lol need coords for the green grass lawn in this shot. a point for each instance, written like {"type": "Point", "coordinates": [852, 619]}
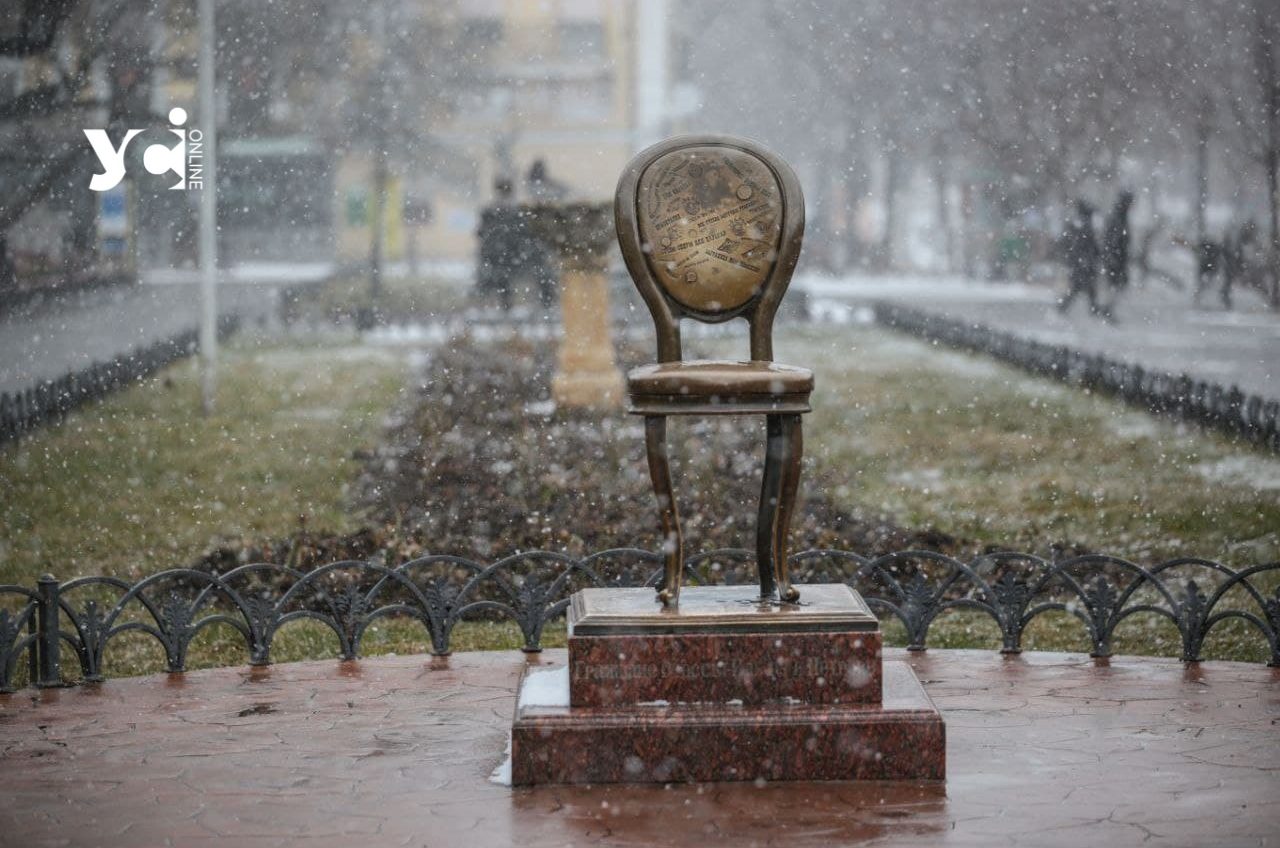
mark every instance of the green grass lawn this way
{"type": "Point", "coordinates": [984, 452]}
{"type": "Point", "coordinates": [142, 481]}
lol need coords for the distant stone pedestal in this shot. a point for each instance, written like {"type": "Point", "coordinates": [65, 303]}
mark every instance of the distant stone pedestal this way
{"type": "Point", "coordinates": [724, 687]}
{"type": "Point", "coordinates": [587, 373]}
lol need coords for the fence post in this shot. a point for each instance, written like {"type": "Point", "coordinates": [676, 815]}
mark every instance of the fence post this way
{"type": "Point", "coordinates": [48, 642]}
{"type": "Point", "coordinates": [33, 653]}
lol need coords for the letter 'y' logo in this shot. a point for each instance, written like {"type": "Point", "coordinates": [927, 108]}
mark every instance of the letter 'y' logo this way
{"type": "Point", "coordinates": [112, 159]}
{"type": "Point", "coordinates": [157, 159]}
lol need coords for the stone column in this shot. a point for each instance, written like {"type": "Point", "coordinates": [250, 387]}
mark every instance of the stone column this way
{"type": "Point", "coordinates": [587, 373]}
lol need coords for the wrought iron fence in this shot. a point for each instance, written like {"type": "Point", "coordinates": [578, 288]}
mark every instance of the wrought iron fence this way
{"type": "Point", "coordinates": [88, 614]}
{"type": "Point", "coordinates": [22, 412]}
{"type": "Point", "coordinates": [1229, 409]}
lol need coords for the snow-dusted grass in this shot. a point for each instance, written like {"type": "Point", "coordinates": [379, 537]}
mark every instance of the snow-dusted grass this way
{"type": "Point", "coordinates": [142, 481]}
{"type": "Point", "coordinates": [420, 297]}
{"type": "Point", "coordinates": [984, 452]}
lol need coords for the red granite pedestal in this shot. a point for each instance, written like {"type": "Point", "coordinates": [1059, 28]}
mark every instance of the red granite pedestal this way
{"type": "Point", "coordinates": [724, 688]}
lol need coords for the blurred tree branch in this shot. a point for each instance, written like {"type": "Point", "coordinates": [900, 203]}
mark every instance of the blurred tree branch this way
{"type": "Point", "coordinates": [84, 35]}
{"type": "Point", "coordinates": [38, 25]}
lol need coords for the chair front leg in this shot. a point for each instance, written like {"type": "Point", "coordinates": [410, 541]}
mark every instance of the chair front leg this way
{"type": "Point", "coordinates": [792, 454]}
{"type": "Point", "coordinates": [655, 442]}
{"type": "Point", "coordinates": [770, 497]}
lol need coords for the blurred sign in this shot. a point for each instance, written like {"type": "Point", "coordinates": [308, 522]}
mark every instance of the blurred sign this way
{"type": "Point", "coordinates": [357, 206]}
{"type": "Point", "coordinates": [113, 212]}
{"type": "Point", "coordinates": [114, 226]}
{"type": "Point", "coordinates": [113, 222]}
{"type": "Point", "coordinates": [359, 210]}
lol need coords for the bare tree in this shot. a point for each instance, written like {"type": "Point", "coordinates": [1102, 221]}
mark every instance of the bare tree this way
{"type": "Point", "coordinates": [40, 127]}
{"type": "Point", "coordinates": [1255, 102]}
{"type": "Point", "coordinates": [406, 67]}
{"type": "Point", "coordinates": [1031, 104]}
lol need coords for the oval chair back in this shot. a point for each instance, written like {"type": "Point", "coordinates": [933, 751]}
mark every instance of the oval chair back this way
{"type": "Point", "coordinates": [710, 228]}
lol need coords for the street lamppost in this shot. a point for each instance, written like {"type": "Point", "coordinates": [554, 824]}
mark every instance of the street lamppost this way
{"type": "Point", "coordinates": [208, 214]}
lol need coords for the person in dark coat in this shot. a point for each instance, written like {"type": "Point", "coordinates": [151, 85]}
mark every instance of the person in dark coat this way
{"type": "Point", "coordinates": [512, 253]}
{"type": "Point", "coordinates": [1234, 261]}
{"type": "Point", "coordinates": [500, 241]}
{"type": "Point", "coordinates": [1115, 247]}
{"type": "Point", "coordinates": [1080, 253]}
{"type": "Point", "coordinates": [540, 185]}
{"type": "Point", "coordinates": [1209, 254]}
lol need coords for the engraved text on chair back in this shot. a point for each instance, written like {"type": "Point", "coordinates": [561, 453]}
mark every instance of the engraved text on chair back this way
{"type": "Point", "coordinates": [710, 228]}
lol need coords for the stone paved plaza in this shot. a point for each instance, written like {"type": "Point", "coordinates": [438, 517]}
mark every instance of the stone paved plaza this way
{"type": "Point", "coordinates": [1042, 749]}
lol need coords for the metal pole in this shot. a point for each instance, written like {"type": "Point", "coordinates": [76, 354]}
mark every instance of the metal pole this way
{"type": "Point", "coordinates": [48, 646]}
{"type": "Point", "coordinates": [208, 214]}
{"type": "Point", "coordinates": [377, 249]}
{"type": "Point", "coordinates": [651, 72]}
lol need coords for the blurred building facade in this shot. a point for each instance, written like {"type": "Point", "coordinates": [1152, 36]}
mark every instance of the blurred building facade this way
{"type": "Point", "coordinates": [559, 86]}
{"type": "Point", "coordinates": [457, 93]}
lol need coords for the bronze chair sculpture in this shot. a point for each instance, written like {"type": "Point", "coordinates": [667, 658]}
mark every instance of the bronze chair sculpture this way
{"type": "Point", "coordinates": [710, 229]}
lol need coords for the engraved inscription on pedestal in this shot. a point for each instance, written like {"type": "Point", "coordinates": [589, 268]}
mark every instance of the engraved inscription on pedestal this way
{"type": "Point", "coordinates": [827, 608]}
{"type": "Point", "coordinates": [817, 670]}
{"type": "Point", "coordinates": [712, 221]}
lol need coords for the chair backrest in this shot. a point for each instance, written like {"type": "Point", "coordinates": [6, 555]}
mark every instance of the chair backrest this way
{"type": "Point", "coordinates": [710, 228]}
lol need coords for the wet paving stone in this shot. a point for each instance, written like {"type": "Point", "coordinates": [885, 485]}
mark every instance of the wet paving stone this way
{"type": "Point", "coordinates": [1042, 749]}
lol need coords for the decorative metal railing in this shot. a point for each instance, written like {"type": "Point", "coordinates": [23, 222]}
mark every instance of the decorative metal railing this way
{"type": "Point", "coordinates": [49, 400]}
{"type": "Point", "coordinates": [1252, 417]}
{"type": "Point", "coordinates": [88, 614]}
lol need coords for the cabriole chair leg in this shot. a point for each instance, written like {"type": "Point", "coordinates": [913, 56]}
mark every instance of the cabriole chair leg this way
{"type": "Point", "coordinates": [770, 498]}
{"type": "Point", "coordinates": [792, 454]}
{"type": "Point", "coordinates": [655, 440]}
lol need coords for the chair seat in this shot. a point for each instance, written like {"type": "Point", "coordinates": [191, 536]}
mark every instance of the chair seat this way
{"type": "Point", "coordinates": [719, 387]}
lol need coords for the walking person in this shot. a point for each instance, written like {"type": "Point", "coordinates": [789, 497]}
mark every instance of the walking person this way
{"type": "Point", "coordinates": [1235, 263]}
{"type": "Point", "coordinates": [1115, 250]}
{"type": "Point", "coordinates": [1080, 253]}
{"type": "Point", "coordinates": [1209, 255]}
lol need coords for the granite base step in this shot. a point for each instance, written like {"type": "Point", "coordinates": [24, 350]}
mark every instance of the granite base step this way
{"type": "Point", "coordinates": [901, 738]}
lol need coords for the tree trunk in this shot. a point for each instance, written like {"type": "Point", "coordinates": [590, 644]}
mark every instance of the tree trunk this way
{"type": "Point", "coordinates": [1202, 190]}
{"type": "Point", "coordinates": [944, 217]}
{"type": "Point", "coordinates": [858, 187]}
{"type": "Point", "coordinates": [837, 197]}
{"type": "Point", "coordinates": [893, 177]}
{"type": "Point", "coordinates": [8, 276]}
{"type": "Point", "coordinates": [1270, 79]}
{"type": "Point", "coordinates": [968, 244]}
{"type": "Point", "coordinates": [1273, 202]}
{"type": "Point", "coordinates": [1202, 171]}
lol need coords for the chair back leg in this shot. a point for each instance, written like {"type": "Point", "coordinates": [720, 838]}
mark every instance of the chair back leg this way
{"type": "Point", "coordinates": [655, 442]}
{"type": "Point", "coordinates": [770, 498]}
{"type": "Point", "coordinates": [792, 454]}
